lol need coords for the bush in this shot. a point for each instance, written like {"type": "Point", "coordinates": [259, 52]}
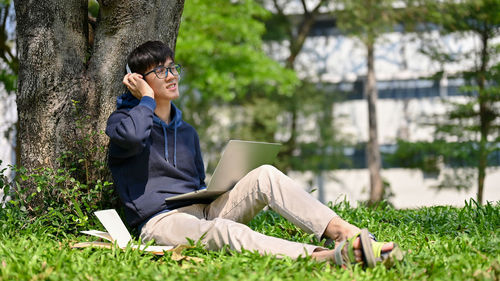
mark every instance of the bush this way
{"type": "Point", "coordinates": [59, 200]}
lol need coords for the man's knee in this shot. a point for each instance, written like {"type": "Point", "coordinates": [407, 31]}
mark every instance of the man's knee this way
{"type": "Point", "coordinates": [269, 177]}
{"type": "Point", "coordinates": [270, 169]}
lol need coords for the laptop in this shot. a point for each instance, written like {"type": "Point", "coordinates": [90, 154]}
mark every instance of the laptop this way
{"type": "Point", "coordinates": [237, 160]}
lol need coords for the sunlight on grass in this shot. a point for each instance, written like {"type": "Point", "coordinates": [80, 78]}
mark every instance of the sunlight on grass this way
{"type": "Point", "coordinates": [442, 243]}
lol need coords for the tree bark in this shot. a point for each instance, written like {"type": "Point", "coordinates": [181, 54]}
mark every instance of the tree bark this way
{"type": "Point", "coordinates": [58, 65]}
{"type": "Point", "coordinates": [372, 149]}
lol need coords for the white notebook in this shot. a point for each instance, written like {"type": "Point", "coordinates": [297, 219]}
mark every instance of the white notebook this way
{"type": "Point", "coordinates": [117, 233]}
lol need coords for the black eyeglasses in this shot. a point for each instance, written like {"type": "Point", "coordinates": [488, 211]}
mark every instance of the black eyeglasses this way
{"type": "Point", "coordinates": [162, 71]}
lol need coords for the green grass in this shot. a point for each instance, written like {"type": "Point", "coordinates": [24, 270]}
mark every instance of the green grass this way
{"type": "Point", "coordinates": [442, 243]}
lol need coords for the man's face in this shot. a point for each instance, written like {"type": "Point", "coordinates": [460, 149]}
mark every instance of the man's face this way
{"type": "Point", "coordinates": [166, 88]}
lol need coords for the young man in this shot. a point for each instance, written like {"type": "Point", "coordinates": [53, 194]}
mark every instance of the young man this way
{"type": "Point", "coordinates": [154, 155]}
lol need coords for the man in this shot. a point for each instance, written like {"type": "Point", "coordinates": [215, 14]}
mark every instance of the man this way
{"type": "Point", "coordinates": [154, 155]}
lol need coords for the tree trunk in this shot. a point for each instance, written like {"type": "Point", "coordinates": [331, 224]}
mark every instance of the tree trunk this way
{"type": "Point", "coordinates": [484, 119]}
{"type": "Point", "coordinates": [372, 149]}
{"type": "Point", "coordinates": [58, 65]}
{"type": "Point", "coordinates": [483, 153]}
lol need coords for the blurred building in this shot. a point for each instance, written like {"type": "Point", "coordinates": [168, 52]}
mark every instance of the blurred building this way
{"type": "Point", "coordinates": [8, 118]}
{"type": "Point", "coordinates": [410, 94]}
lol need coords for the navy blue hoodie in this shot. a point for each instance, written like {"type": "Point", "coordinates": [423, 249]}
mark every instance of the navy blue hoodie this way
{"type": "Point", "coordinates": [151, 160]}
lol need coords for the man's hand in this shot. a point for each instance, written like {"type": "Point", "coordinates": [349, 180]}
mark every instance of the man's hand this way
{"type": "Point", "coordinates": [138, 86]}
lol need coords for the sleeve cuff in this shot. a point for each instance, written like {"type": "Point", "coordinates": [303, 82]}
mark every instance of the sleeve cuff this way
{"type": "Point", "coordinates": [148, 102]}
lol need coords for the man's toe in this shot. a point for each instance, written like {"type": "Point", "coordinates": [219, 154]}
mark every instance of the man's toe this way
{"type": "Point", "coordinates": [388, 247]}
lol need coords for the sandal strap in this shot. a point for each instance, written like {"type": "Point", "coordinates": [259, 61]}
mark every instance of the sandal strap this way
{"type": "Point", "coordinates": [348, 257]}
{"type": "Point", "coordinates": [377, 248]}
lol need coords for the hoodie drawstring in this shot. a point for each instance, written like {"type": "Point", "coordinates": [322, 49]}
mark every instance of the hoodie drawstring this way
{"type": "Point", "coordinates": [128, 101]}
{"type": "Point", "coordinates": [166, 143]}
{"type": "Point", "coordinates": [175, 144]}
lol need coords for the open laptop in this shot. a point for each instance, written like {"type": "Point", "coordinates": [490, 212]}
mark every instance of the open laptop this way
{"type": "Point", "coordinates": [238, 158]}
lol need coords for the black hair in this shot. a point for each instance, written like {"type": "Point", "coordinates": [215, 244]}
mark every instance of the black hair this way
{"type": "Point", "coordinates": [149, 54]}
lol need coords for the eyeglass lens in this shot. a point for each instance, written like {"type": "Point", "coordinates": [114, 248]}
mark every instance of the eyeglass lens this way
{"type": "Point", "coordinates": [162, 71]}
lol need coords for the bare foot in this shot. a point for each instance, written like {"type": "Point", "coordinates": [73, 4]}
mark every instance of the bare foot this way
{"type": "Point", "coordinates": [340, 230]}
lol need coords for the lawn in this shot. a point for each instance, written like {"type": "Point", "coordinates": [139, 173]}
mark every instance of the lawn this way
{"type": "Point", "coordinates": [441, 243]}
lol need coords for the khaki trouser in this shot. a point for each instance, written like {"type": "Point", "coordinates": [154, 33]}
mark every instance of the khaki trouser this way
{"type": "Point", "coordinates": [222, 222]}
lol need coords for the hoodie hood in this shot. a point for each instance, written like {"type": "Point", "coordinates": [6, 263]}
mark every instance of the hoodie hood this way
{"type": "Point", "coordinates": [127, 101]}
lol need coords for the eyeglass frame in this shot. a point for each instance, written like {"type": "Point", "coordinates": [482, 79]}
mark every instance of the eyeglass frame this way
{"type": "Point", "coordinates": [177, 67]}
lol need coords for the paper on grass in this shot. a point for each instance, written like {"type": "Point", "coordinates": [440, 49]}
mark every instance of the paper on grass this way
{"type": "Point", "coordinates": [100, 234]}
{"type": "Point", "coordinates": [115, 227]}
{"type": "Point", "coordinates": [117, 232]}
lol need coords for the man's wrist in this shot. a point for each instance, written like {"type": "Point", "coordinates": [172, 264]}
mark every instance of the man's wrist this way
{"type": "Point", "coordinates": [150, 94]}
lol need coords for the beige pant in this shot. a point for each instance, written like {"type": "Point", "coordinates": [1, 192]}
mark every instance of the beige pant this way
{"type": "Point", "coordinates": [222, 222]}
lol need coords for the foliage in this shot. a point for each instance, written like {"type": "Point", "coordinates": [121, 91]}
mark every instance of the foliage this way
{"type": "Point", "coordinates": [366, 20]}
{"type": "Point", "coordinates": [290, 32]}
{"type": "Point", "coordinates": [442, 243]}
{"type": "Point", "coordinates": [323, 149]}
{"type": "Point", "coordinates": [435, 158]}
{"type": "Point", "coordinates": [463, 18]}
{"type": "Point", "coordinates": [9, 80]}
{"type": "Point", "coordinates": [318, 147]}
{"type": "Point", "coordinates": [428, 156]}
{"type": "Point", "coordinates": [220, 48]}
{"type": "Point", "coordinates": [93, 8]}
{"type": "Point", "coordinates": [477, 119]}
{"type": "Point", "coordinates": [463, 120]}
{"type": "Point", "coordinates": [64, 204]}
